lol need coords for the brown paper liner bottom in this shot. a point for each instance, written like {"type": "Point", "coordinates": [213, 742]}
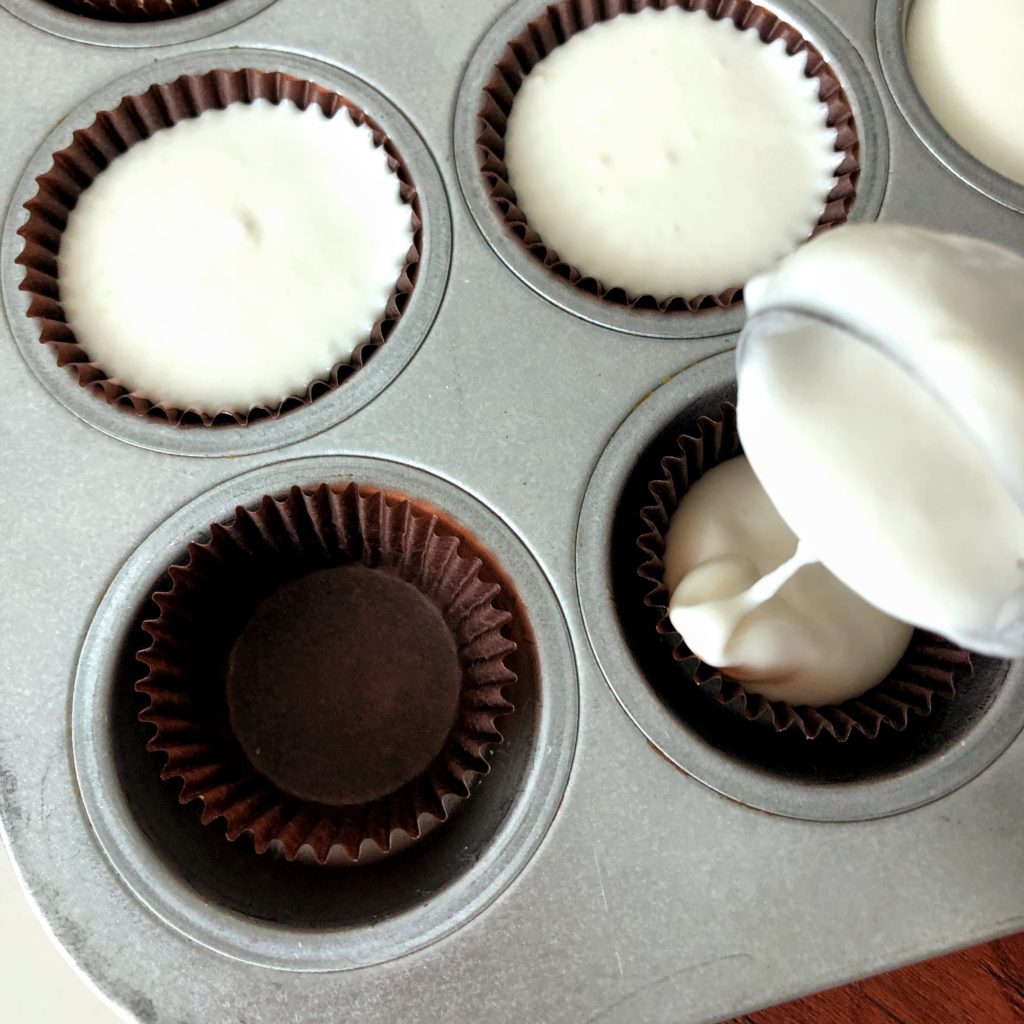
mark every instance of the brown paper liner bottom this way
{"type": "Point", "coordinates": [929, 670]}
{"type": "Point", "coordinates": [112, 133]}
{"type": "Point", "coordinates": [343, 797]}
{"type": "Point", "coordinates": [134, 10]}
{"type": "Point", "coordinates": [560, 22]}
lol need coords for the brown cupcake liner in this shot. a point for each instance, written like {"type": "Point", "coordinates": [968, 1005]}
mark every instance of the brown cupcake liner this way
{"type": "Point", "coordinates": [134, 10]}
{"type": "Point", "coordinates": [136, 118]}
{"type": "Point", "coordinates": [560, 22]}
{"type": "Point", "coordinates": [930, 669]}
{"type": "Point", "coordinates": [211, 597]}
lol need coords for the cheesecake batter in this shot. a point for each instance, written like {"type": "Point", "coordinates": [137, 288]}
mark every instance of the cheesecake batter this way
{"type": "Point", "coordinates": [229, 261]}
{"type": "Point", "coordinates": [669, 153]}
{"type": "Point", "coordinates": [749, 601]}
{"type": "Point", "coordinates": [966, 62]}
{"type": "Point", "coordinates": [882, 411]}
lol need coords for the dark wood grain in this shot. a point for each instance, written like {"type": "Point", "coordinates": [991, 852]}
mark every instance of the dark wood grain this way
{"type": "Point", "coordinates": [983, 985]}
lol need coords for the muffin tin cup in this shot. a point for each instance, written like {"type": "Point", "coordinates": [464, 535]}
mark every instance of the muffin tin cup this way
{"type": "Point", "coordinates": [300, 917]}
{"type": "Point", "coordinates": [929, 671]}
{"type": "Point", "coordinates": [559, 23]}
{"type": "Point", "coordinates": [215, 78]}
{"type": "Point", "coordinates": [215, 707]}
{"type": "Point", "coordinates": [135, 10]}
{"type": "Point", "coordinates": [891, 41]}
{"type": "Point", "coordinates": [538, 25]}
{"type": "Point", "coordinates": [859, 779]}
{"type": "Point", "coordinates": [113, 133]}
{"type": "Point", "coordinates": [82, 28]}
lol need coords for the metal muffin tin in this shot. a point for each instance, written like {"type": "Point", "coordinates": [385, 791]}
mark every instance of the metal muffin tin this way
{"type": "Point", "coordinates": [819, 781]}
{"type": "Point", "coordinates": [200, 890]}
{"type": "Point", "coordinates": [330, 408]}
{"type": "Point", "coordinates": [890, 30]}
{"type": "Point", "coordinates": [803, 15]}
{"type": "Point", "coordinates": [51, 18]}
{"type": "Point", "coordinates": [650, 897]}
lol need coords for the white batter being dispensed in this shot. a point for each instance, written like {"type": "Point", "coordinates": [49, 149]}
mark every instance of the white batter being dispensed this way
{"type": "Point", "coordinates": [743, 603]}
{"type": "Point", "coordinates": [229, 261]}
{"type": "Point", "coordinates": [966, 62]}
{"type": "Point", "coordinates": [891, 446]}
{"type": "Point", "coordinates": [669, 153]}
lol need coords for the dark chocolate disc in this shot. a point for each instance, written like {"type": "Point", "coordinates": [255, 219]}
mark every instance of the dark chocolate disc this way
{"type": "Point", "coordinates": [344, 685]}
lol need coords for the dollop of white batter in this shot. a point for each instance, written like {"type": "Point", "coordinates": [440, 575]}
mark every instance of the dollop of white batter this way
{"type": "Point", "coordinates": [229, 261]}
{"type": "Point", "coordinates": [747, 601]}
{"type": "Point", "coordinates": [898, 472]}
{"type": "Point", "coordinates": [669, 153]}
{"type": "Point", "coordinates": [966, 61]}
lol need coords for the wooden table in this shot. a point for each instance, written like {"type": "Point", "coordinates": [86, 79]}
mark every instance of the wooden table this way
{"type": "Point", "coordinates": [983, 985]}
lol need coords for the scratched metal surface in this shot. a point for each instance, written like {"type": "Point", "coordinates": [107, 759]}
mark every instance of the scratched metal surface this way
{"type": "Point", "coordinates": [651, 899]}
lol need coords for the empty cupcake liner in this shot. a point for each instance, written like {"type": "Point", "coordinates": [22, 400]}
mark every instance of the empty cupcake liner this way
{"type": "Point", "coordinates": [136, 118]}
{"type": "Point", "coordinates": [213, 593]}
{"type": "Point", "coordinates": [930, 669]}
{"type": "Point", "coordinates": [561, 21]}
{"type": "Point", "coordinates": [134, 10]}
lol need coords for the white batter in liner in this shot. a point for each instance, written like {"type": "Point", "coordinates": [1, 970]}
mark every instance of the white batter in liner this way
{"type": "Point", "coordinates": [669, 153]}
{"type": "Point", "coordinates": [230, 260]}
{"type": "Point", "coordinates": [742, 602]}
{"type": "Point", "coordinates": [966, 61]}
{"type": "Point", "coordinates": [884, 426]}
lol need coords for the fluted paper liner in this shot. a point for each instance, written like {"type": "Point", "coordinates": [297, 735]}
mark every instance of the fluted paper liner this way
{"type": "Point", "coordinates": [212, 595]}
{"type": "Point", "coordinates": [135, 10]}
{"type": "Point", "coordinates": [561, 21]}
{"type": "Point", "coordinates": [136, 118]}
{"type": "Point", "coordinates": [929, 669]}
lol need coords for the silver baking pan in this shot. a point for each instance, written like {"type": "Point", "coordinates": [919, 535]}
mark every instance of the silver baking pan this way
{"type": "Point", "coordinates": [619, 863]}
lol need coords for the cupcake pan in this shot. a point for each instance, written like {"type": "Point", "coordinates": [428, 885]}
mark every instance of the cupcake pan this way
{"type": "Point", "coordinates": [859, 778]}
{"type": "Point", "coordinates": [891, 24]}
{"type": "Point", "coordinates": [404, 331]}
{"type": "Point", "coordinates": [626, 890]}
{"type": "Point", "coordinates": [134, 10]}
{"type": "Point", "coordinates": [930, 671]}
{"type": "Point", "coordinates": [322, 591]}
{"type": "Point", "coordinates": [715, 315]}
{"type": "Point", "coordinates": [312, 918]}
{"type": "Point", "coordinates": [59, 19]}
{"type": "Point", "coordinates": [543, 35]}
{"type": "Point", "coordinates": [135, 119]}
